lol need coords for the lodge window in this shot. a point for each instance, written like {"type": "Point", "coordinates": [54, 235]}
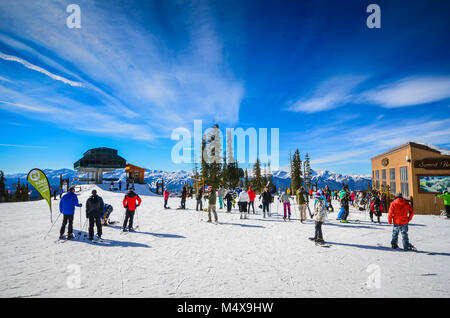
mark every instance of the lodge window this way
{"type": "Point", "coordinates": [392, 180]}
{"type": "Point", "coordinates": [383, 177]}
{"type": "Point", "coordinates": [377, 179]}
{"type": "Point", "coordinates": [404, 181]}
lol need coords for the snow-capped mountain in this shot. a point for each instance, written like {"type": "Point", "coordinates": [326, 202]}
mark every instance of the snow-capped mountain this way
{"type": "Point", "coordinates": [174, 181]}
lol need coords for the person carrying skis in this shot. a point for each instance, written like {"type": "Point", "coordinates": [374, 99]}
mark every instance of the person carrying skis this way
{"type": "Point", "coordinates": [319, 216]}
{"type": "Point", "coordinates": [251, 199]}
{"type": "Point", "coordinates": [243, 200]}
{"type": "Point", "coordinates": [229, 197]}
{"type": "Point", "coordinates": [446, 197]}
{"type": "Point", "coordinates": [212, 198]}
{"type": "Point", "coordinates": [166, 198]}
{"type": "Point", "coordinates": [183, 198]}
{"type": "Point", "coordinates": [129, 202]}
{"type": "Point", "coordinates": [199, 200]}
{"type": "Point", "coordinates": [267, 198]}
{"type": "Point", "coordinates": [376, 208]}
{"type": "Point", "coordinates": [94, 211]}
{"type": "Point", "coordinates": [302, 202]}
{"type": "Point", "coordinates": [220, 195]}
{"type": "Point", "coordinates": [67, 207]}
{"type": "Point", "coordinates": [285, 199]}
{"type": "Point", "coordinates": [400, 214]}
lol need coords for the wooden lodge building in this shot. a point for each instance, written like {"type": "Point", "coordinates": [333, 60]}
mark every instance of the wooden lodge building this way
{"type": "Point", "coordinates": [416, 170]}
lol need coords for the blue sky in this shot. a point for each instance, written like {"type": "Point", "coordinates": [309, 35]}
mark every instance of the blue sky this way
{"type": "Point", "coordinates": [138, 69]}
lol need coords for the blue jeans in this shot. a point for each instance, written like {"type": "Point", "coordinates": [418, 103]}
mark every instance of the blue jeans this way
{"type": "Point", "coordinates": [404, 230]}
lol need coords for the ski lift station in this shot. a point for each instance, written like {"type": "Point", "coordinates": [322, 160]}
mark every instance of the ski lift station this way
{"type": "Point", "coordinates": [96, 161]}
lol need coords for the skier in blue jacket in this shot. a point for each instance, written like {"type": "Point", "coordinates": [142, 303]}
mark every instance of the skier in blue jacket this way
{"type": "Point", "coordinates": [67, 207]}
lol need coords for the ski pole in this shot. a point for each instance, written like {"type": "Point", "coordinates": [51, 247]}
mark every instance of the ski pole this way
{"type": "Point", "coordinates": [52, 225]}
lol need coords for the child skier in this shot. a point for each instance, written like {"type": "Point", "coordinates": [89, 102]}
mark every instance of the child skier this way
{"type": "Point", "coordinates": [446, 197]}
{"type": "Point", "coordinates": [400, 213]}
{"type": "Point", "coordinates": [376, 208]}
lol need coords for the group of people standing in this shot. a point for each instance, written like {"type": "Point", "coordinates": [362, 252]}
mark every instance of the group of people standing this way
{"type": "Point", "coordinates": [97, 212]}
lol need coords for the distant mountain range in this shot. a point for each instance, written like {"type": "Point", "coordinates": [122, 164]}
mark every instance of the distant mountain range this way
{"type": "Point", "coordinates": [174, 181]}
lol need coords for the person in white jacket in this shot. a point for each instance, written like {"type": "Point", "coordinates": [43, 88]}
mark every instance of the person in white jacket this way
{"type": "Point", "coordinates": [243, 202]}
{"type": "Point", "coordinates": [320, 215]}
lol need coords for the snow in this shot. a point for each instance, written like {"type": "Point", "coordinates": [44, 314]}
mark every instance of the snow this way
{"type": "Point", "coordinates": [174, 254]}
{"type": "Point", "coordinates": [444, 152]}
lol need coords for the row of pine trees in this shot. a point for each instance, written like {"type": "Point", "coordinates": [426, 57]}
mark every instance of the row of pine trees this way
{"type": "Point", "coordinates": [19, 194]}
{"type": "Point", "coordinates": [222, 172]}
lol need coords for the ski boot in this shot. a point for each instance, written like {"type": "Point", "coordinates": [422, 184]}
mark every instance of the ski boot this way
{"type": "Point", "coordinates": [311, 238]}
{"type": "Point", "coordinates": [411, 248]}
{"type": "Point", "coordinates": [70, 236]}
{"type": "Point", "coordinates": [61, 236]}
{"type": "Point", "coordinates": [320, 242]}
{"type": "Point", "coordinates": [344, 221]}
{"type": "Point", "coordinates": [124, 230]}
{"type": "Point", "coordinates": [394, 246]}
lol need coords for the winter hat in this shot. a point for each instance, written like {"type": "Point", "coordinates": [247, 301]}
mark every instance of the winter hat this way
{"type": "Point", "coordinates": [399, 195]}
{"type": "Point", "coordinates": [94, 191]}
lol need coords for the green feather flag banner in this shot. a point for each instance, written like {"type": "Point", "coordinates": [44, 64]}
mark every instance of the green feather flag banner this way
{"type": "Point", "coordinates": [39, 181]}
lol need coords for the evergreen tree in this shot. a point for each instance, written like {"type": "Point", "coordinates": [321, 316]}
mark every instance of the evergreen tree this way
{"type": "Point", "coordinates": [258, 180]}
{"type": "Point", "coordinates": [246, 180]}
{"type": "Point", "coordinates": [296, 172]}
{"type": "Point", "coordinates": [3, 192]}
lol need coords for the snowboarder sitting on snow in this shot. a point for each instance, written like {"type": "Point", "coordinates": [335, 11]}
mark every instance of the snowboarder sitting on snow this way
{"type": "Point", "coordinates": [129, 202]}
{"type": "Point", "coordinates": [67, 207]}
{"type": "Point", "coordinates": [320, 215]}
{"type": "Point", "coordinates": [446, 197]}
{"type": "Point", "coordinates": [107, 209]}
{"type": "Point", "coordinates": [212, 198]}
{"type": "Point", "coordinates": [400, 213]}
{"type": "Point", "coordinates": [166, 198]}
{"type": "Point", "coordinates": [376, 208]}
{"type": "Point", "coordinates": [94, 211]}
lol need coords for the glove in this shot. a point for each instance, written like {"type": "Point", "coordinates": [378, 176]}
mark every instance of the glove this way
{"type": "Point", "coordinates": [81, 204]}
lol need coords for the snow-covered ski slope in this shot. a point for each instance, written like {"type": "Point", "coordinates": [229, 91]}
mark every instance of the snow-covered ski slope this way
{"type": "Point", "coordinates": [175, 254]}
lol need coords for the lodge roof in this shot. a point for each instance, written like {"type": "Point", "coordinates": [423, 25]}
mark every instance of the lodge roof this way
{"type": "Point", "coordinates": [409, 144]}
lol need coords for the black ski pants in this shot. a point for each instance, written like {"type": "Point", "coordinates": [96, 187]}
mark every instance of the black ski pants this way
{"type": "Point", "coordinates": [67, 219]}
{"type": "Point", "coordinates": [97, 220]}
{"type": "Point", "coordinates": [346, 212]}
{"type": "Point", "coordinates": [129, 216]}
{"type": "Point", "coordinates": [318, 227]}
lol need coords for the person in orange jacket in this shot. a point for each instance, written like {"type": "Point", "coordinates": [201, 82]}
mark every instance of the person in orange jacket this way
{"type": "Point", "coordinates": [400, 213]}
{"type": "Point", "coordinates": [129, 202]}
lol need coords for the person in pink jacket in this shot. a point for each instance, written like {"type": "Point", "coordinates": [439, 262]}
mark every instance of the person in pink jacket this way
{"type": "Point", "coordinates": [166, 198]}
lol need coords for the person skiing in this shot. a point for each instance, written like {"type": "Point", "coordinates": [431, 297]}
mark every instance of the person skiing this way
{"type": "Point", "coordinates": [446, 197]}
{"type": "Point", "coordinates": [212, 198]}
{"type": "Point", "coordinates": [94, 211]}
{"type": "Point", "coordinates": [251, 198]}
{"type": "Point", "coordinates": [243, 200]}
{"type": "Point", "coordinates": [183, 198]}
{"type": "Point", "coordinates": [129, 202]}
{"type": "Point", "coordinates": [302, 202]}
{"type": "Point", "coordinates": [319, 216]}
{"type": "Point", "coordinates": [229, 197]}
{"type": "Point", "coordinates": [376, 208]}
{"type": "Point", "coordinates": [267, 198]}
{"type": "Point", "coordinates": [166, 198]}
{"type": "Point", "coordinates": [285, 199]}
{"type": "Point", "coordinates": [400, 214]}
{"type": "Point", "coordinates": [220, 195]}
{"type": "Point", "coordinates": [67, 206]}
{"type": "Point", "coordinates": [107, 210]}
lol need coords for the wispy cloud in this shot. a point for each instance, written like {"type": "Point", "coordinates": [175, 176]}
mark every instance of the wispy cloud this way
{"type": "Point", "coordinates": [332, 93]}
{"type": "Point", "coordinates": [341, 90]}
{"type": "Point", "coordinates": [409, 92]}
{"type": "Point", "coordinates": [22, 146]}
{"type": "Point", "coordinates": [39, 69]}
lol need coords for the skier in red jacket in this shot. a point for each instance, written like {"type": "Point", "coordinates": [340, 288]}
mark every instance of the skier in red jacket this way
{"type": "Point", "coordinates": [251, 202]}
{"type": "Point", "coordinates": [129, 202]}
{"type": "Point", "coordinates": [400, 213]}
